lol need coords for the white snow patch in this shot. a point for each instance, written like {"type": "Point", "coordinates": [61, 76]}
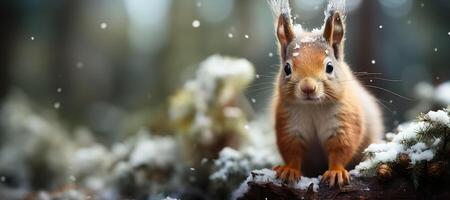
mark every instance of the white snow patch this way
{"type": "Point", "coordinates": [269, 176]}
{"type": "Point", "coordinates": [442, 93]}
{"type": "Point", "coordinates": [148, 152]}
{"type": "Point", "coordinates": [439, 116]}
{"type": "Point", "coordinates": [410, 131]}
{"type": "Point", "coordinates": [421, 155]}
{"type": "Point", "coordinates": [170, 198]}
{"type": "Point", "coordinates": [407, 132]}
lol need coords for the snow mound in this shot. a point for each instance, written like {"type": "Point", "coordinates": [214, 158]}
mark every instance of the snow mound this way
{"type": "Point", "coordinates": [155, 152]}
{"type": "Point", "coordinates": [409, 141]}
{"type": "Point", "coordinates": [269, 176]}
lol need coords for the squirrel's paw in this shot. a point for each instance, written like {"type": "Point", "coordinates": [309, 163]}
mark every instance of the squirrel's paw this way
{"type": "Point", "coordinates": [340, 175]}
{"type": "Point", "coordinates": [287, 174]}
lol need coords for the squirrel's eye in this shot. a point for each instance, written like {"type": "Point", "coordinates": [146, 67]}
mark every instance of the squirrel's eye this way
{"type": "Point", "coordinates": [287, 69]}
{"type": "Point", "coordinates": [329, 68]}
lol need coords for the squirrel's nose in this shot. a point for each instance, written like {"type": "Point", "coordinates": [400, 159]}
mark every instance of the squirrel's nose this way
{"type": "Point", "coordinates": [308, 85]}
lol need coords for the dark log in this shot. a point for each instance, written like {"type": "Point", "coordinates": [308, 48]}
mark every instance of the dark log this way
{"type": "Point", "coordinates": [359, 188]}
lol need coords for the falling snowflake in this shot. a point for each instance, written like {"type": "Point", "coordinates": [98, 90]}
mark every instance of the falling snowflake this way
{"type": "Point", "coordinates": [80, 65]}
{"type": "Point", "coordinates": [59, 90]}
{"type": "Point", "coordinates": [103, 25]}
{"type": "Point", "coordinates": [195, 23]}
{"type": "Point", "coordinates": [57, 105]}
{"type": "Point", "coordinates": [192, 169]}
{"type": "Point", "coordinates": [371, 80]}
{"type": "Point", "coordinates": [373, 62]}
{"type": "Point", "coordinates": [246, 36]}
{"type": "Point", "coordinates": [246, 126]}
{"type": "Point", "coordinates": [257, 76]}
{"type": "Point", "coordinates": [32, 38]}
{"type": "Point", "coordinates": [253, 100]}
{"type": "Point", "coordinates": [391, 101]}
{"type": "Point", "coordinates": [230, 35]}
{"type": "Point", "coordinates": [435, 49]}
{"type": "Point", "coordinates": [380, 26]}
{"type": "Point", "coordinates": [270, 54]}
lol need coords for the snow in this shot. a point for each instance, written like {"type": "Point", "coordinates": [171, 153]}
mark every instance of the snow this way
{"type": "Point", "coordinates": [148, 152]}
{"type": "Point", "coordinates": [230, 35]}
{"type": "Point", "coordinates": [385, 152]}
{"type": "Point", "coordinates": [103, 25]}
{"type": "Point", "coordinates": [56, 105]}
{"type": "Point", "coordinates": [442, 93]}
{"type": "Point", "coordinates": [170, 198]}
{"type": "Point", "coordinates": [256, 152]}
{"type": "Point", "coordinates": [32, 38]}
{"type": "Point", "coordinates": [400, 143]}
{"type": "Point", "coordinates": [230, 161]}
{"type": "Point", "coordinates": [269, 176]}
{"type": "Point", "coordinates": [89, 159]}
{"type": "Point", "coordinates": [421, 155]}
{"type": "Point", "coordinates": [80, 64]}
{"type": "Point", "coordinates": [410, 131]}
{"type": "Point", "coordinates": [59, 90]}
{"type": "Point", "coordinates": [439, 116]}
{"type": "Point", "coordinates": [246, 36]}
{"type": "Point", "coordinates": [218, 68]}
{"type": "Point", "coordinates": [195, 23]}
{"type": "Point", "coordinates": [373, 62]}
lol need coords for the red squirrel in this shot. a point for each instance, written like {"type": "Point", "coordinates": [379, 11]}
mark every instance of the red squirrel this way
{"type": "Point", "coordinates": [324, 117]}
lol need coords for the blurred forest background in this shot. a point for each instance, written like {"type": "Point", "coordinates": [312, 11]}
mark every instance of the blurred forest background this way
{"type": "Point", "coordinates": [111, 65]}
{"type": "Point", "coordinates": [146, 49]}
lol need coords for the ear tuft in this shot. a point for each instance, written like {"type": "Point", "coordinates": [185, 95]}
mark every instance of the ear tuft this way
{"type": "Point", "coordinates": [279, 7]}
{"type": "Point", "coordinates": [333, 33]}
{"type": "Point", "coordinates": [284, 26]}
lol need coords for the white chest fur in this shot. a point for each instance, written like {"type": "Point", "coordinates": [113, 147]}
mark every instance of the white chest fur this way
{"type": "Point", "coordinates": [312, 121]}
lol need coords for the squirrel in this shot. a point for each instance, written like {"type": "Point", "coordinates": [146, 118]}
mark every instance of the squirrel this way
{"type": "Point", "coordinates": [324, 117]}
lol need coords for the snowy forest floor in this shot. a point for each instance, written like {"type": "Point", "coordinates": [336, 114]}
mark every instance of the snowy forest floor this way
{"type": "Point", "coordinates": [359, 188]}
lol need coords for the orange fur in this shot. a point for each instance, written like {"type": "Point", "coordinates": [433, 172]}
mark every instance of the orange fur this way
{"type": "Point", "coordinates": [291, 149]}
{"type": "Point", "coordinates": [311, 101]}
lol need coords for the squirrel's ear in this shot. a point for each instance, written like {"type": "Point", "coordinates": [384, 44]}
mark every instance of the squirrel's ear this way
{"type": "Point", "coordinates": [285, 32]}
{"type": "Point", "coordinates": [334, 33]}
